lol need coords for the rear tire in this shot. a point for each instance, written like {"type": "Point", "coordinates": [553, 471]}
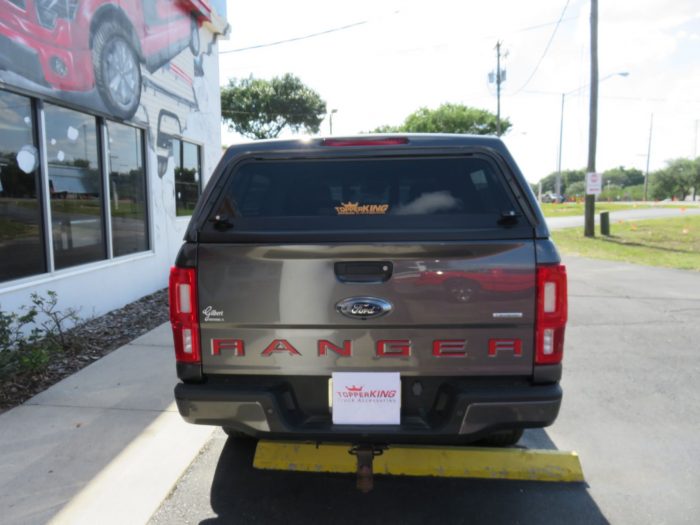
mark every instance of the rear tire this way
{"type": "Point", "coordinates": [237, 434]}
{"type": "Point", "coordinates": [502, 438]}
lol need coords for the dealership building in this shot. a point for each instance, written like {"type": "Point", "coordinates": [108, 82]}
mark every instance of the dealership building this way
{"type": "Point", "coordinates": [109, 128]}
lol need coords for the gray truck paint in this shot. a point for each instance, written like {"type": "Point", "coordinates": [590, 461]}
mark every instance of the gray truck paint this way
{"type": "Point", "coordinates": [290, 293]}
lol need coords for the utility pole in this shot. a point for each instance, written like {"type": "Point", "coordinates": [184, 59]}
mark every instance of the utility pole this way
{"type": "Point", "coordinates": [557, 186]}
{"type": "Point", "coordinates": [498, 88]}
{"type": "Point", "coordinates": [589, 229]}
{"type": "Point", "coordinates": [646, 174]}
{"type": "Point", "coordinates": [498, 78]}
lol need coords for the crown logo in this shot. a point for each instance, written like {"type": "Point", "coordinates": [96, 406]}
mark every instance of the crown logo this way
{"type": "Point", "coordinates": [348, 208]}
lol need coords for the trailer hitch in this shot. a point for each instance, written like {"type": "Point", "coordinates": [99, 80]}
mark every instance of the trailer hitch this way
{"type": "Point", "coordinates": [365, 458]}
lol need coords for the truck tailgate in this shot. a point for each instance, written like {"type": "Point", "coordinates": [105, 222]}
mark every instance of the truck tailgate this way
{"type": "Point", "coordinates": [465, 309]}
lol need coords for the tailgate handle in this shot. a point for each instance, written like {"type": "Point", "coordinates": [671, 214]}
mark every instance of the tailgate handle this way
{"type": "Point", "coordinates": [363, 271]}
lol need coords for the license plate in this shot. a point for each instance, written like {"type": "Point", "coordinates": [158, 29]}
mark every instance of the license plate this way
{"type": "Point", "coordinates": [365, 398]}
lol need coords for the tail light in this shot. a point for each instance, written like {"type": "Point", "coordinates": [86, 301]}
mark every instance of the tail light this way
{"type": "Point", "coordinates": [183, 314]}
{"type": "Point", "coordinates": [551, 314]}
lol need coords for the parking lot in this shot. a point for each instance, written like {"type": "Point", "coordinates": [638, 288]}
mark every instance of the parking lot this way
{"type": "Point", "coordinates": [631, 408]}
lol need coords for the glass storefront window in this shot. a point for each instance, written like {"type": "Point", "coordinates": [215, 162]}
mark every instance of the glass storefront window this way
{"type": "Point", "coordinates": [21, 239]}
{"type": "Point", "coordinates": [188, 168]}
{"type": "Point", "coordinates": [127, 189]}
{"type": "Point", "coordinates": [75, 186]}
{"type": "Point", "coordinates": [71, 148]}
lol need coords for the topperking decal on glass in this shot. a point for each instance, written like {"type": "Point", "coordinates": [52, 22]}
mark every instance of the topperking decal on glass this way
{"type": "Point", "coordinates": [355, 208]}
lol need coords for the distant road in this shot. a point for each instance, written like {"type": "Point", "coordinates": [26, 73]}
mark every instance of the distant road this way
{"type": "Point", "coordinates": [557, 223]}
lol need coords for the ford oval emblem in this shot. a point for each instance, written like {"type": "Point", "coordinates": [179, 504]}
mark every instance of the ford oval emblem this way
{"type": "Point", "coordinates": [363, 307]}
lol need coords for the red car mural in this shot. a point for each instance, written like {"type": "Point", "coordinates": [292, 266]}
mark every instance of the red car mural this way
{"type": "Point", "coordinates": [79, 45]}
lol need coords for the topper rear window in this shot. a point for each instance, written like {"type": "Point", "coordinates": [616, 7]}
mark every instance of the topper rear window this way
{"type": "Point", "coordinates": [444, 193]}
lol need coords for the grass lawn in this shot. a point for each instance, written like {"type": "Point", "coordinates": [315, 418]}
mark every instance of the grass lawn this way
{"type": "Point", "coordinates": [673, 243]}
{"type": "Point", "coordinates": [11, 229]}
{"type": "Point", "coordinates": [568, 209]}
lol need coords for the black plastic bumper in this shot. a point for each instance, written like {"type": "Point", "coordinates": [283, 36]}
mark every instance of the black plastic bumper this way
{"type": "Point", "coordinates": [452, 411]}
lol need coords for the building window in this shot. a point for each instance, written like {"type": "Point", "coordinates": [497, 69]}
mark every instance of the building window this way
{"type": "Point", "coordinates": [61, 172]}
{"type": "Point", "coordinates": [76, 187]}
{"type": "Point", "coordinates": [127, 189]}
{"type": "Point", "coordinates": [21, 233]}
{"type": "Point", "coordinates": [188, 169]}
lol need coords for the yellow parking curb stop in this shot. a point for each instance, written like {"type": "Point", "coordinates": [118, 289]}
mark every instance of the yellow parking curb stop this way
{"type": "Point", "coordinates": [413, 460]}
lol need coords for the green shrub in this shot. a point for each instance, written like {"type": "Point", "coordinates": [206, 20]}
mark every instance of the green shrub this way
{"type": "Point", "coordinates": [29, 338]}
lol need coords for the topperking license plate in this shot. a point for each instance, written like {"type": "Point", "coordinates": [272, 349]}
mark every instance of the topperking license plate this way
{"type": "Point", "coordinates": [365, 398]}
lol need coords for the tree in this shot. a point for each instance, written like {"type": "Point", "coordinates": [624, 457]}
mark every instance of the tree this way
{"type": "Point", "coordinates": [677, 179]}
{"type": "Point", "coordinates": [573, 182]}
{"type": "Point", "coordinates": [568, 177]}
{"type": "Point", "coordinates": [623, 177]}
{"type": "Point", "coordinates": [261, 109]}
{"type": "Point", "coordinates": [664, 185]}
{"type": "Point", "coordinates": [449, 118]}
{"type": "Point", "coordinates": [575, 189]}
{"type": "Point", "coordinates": [695, 178]}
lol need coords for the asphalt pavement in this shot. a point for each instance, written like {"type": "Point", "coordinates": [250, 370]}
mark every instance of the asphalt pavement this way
{"type": "Point", "coordinates": [106, 445]}
{"type": "Point", "coordinates": [631, 409]}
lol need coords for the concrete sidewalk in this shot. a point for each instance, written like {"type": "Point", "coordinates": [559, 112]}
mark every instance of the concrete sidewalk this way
{"type": "Point", "coordinates": [104, 445]}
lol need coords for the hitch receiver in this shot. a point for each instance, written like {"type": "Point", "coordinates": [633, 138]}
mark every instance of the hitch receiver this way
{"type": "Point", "coordinates": [365, 460]}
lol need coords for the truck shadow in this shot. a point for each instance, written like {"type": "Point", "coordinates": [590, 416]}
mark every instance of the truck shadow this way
{"type": "Point", "coordinates": [242, 494]}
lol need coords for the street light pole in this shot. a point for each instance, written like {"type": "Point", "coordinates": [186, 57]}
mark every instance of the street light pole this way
{"type": "Point", "coordinates": [646, 174]}
{"type": "Point", "coordinates": [330, 119]}
{"type": "Point", "coordinates": [561, 123]}
{"type": "Point", "coordinates": [557, 189]}
{"type": "Point", "coordinates": [498, 88]}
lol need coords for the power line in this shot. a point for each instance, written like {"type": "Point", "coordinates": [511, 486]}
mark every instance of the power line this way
{"type": "Point", "coordinates": [611, 97]}
{"type": "Point", "coordinates": [485, 37]}
{"type": "Point", "coordinates": [546, 48]}
{"type": "Point", "coordinates": [298, 38]}
{"type": "Point", "coordinates": [545, 24]}
{"type": "Point", "coordinates": [363, 22]}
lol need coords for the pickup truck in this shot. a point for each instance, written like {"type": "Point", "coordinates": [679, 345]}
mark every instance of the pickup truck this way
{"type": "Point", "coordinates": [370, 289]}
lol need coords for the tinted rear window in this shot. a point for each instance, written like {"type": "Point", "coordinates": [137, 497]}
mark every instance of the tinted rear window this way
{"type": "Point", "coordinates": [415, 193]}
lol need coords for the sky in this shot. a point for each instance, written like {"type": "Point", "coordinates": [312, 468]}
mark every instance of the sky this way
{"type": "Point", "coordinates": [399, 56]}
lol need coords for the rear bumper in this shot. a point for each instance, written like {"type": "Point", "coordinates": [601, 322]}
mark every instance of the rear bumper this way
{"type": "Point", "coordinates": [452, 416]}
